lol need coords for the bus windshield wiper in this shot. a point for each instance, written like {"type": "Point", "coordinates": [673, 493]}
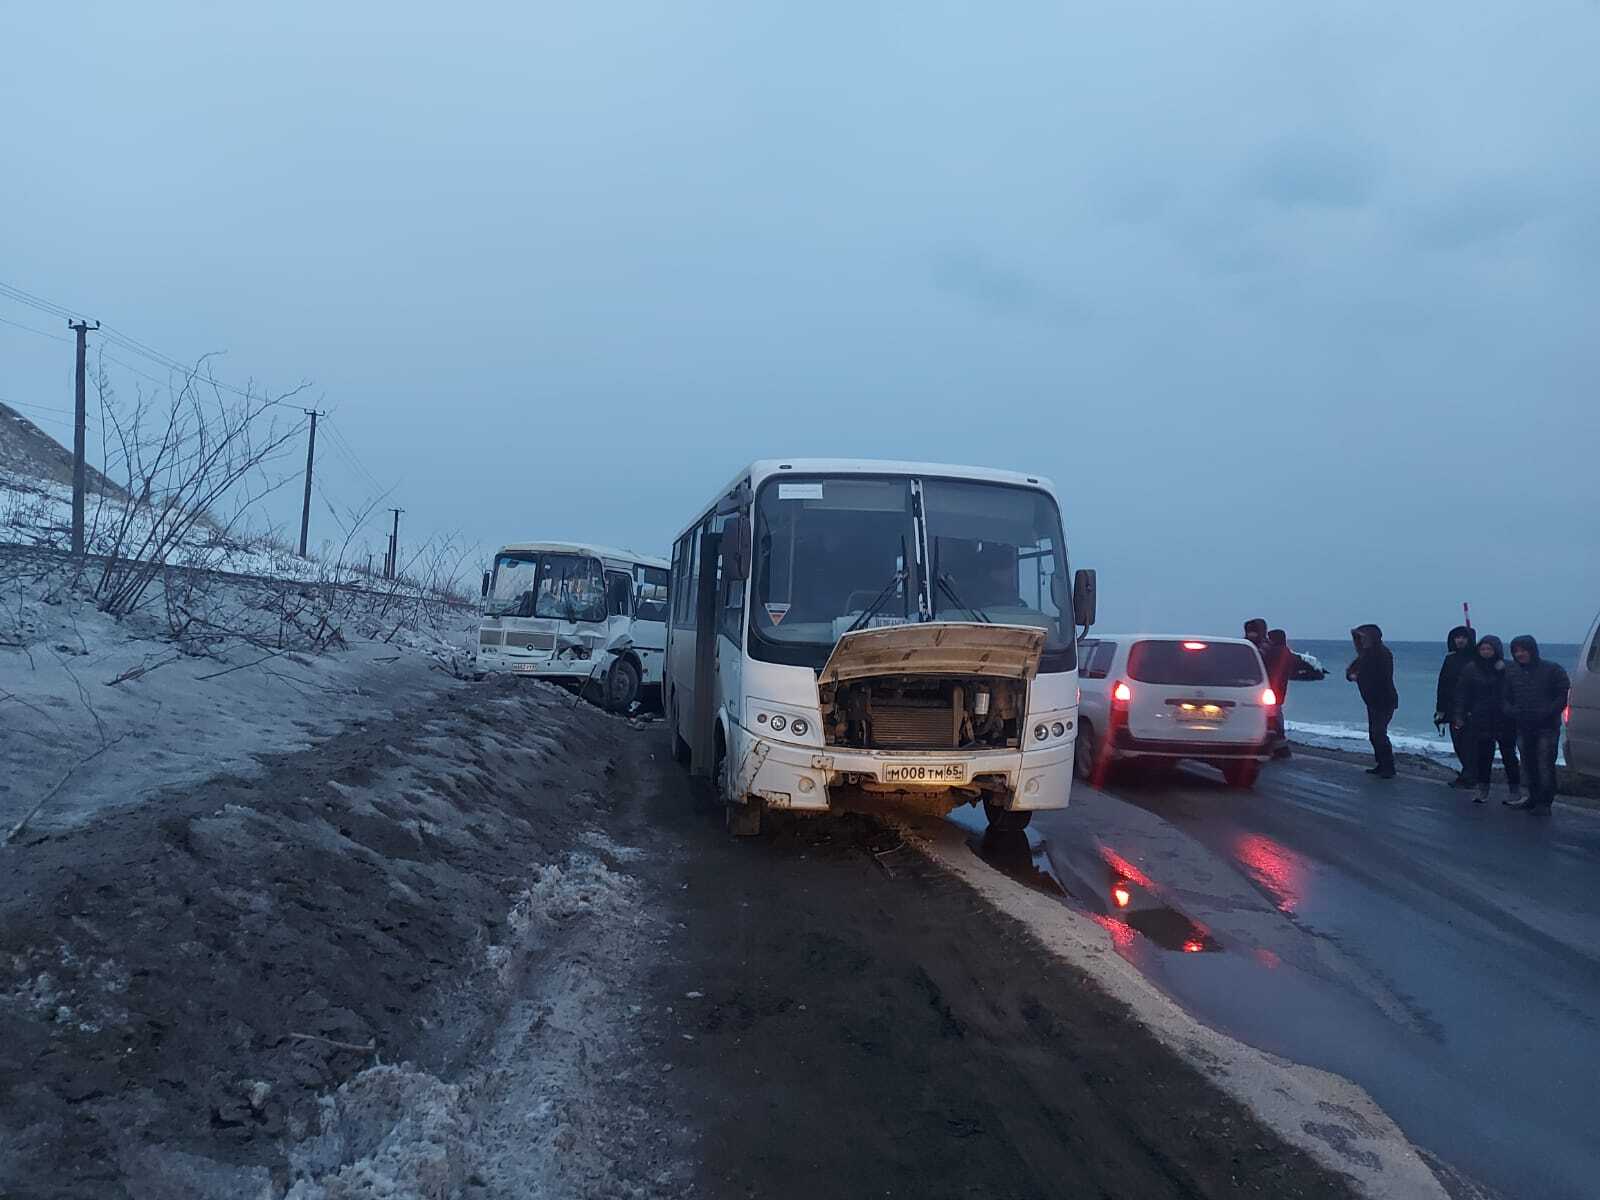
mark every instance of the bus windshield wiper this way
{"type": "Point", "coordinates": [872, 609]}
{"type": "Point", "coordinates": [950, 590]}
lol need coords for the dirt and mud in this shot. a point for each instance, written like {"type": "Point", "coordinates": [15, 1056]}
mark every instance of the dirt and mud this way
{"type": "Point", "coordinates": [500, 947]}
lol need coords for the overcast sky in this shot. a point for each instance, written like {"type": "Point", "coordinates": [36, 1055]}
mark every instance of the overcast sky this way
{"type": "Point", "coordinates": [1296, 304]}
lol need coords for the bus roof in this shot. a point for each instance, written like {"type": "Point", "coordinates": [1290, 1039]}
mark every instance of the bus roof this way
{"type": "Point", "coordinates": [589, 548]}
{"type": "Point", "coordinates": [764, 468]}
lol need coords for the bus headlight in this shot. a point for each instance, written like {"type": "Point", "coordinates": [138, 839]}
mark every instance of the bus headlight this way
{"type": "Point", "coordinates": [1040, 732]}
{"type": "Point", "coordinates": [799, 726]}
{"type": "Point", "coordinates": [779, 721]}
{"type": "Point", "coordinates": [1058, 730]}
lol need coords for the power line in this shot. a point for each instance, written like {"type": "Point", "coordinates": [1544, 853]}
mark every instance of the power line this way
{"type": "Point", "coordinates": [54, 337]}
{"type": "Point", "coordinates": [124, 341]}
{"type": "Point", "coordinates": [349, 452]}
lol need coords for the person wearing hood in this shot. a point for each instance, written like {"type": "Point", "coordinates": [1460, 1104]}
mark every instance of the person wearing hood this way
{"type": "Point", "coordinates": [1280, 662]}
{"type": "Point", "coordinates": [1535, 695]}
{"type": "Point", "coordinates": [1458, 655]}
{"type": "Point", "coordinates": [1373, 674]}
{"type": "Point", "coordinates": [1479, 721]}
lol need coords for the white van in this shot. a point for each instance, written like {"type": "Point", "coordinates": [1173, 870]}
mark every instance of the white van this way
{"type": "Point", "coordinates": [588, 616]}
{"type": "Point", "coordinates": [1165, 696]}
{"type": "Point", "coordinates": [1583, 713]}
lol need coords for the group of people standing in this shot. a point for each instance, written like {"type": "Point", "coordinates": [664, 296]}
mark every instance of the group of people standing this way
{"type": "Point", "coordinates": [1283, 665]}
{"type": "Point", "coordinates": [1514, 706]}
{"type": "Point", "coordinates": [1489, 702]}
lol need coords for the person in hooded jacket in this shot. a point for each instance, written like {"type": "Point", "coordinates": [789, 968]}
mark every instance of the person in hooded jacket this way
{"type": "Point", "coordinates": [1536, 694]}
{"type": "Point", "coordinates": [1280, 662]}
{"type": "Point", "coordinates": [1479, 721]}
{"type": "Point", "coordinates": [1373, 674]}
{"type": "Point", "coordinates": [1459, 653]}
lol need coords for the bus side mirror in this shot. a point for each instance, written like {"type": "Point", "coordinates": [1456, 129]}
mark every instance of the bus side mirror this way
{"type": "Point", "coordinates": [1083, 597]}
{"type": "Point", "coordinates": [485, 592]}
{"type": "Point", "coordinates": [736, 549]}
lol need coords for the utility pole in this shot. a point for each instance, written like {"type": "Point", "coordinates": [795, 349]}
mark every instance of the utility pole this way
{"type": "Point", "coordinates": [79, 472]}
{"type": "Point", "coordinates": [311, 450]}
{"type": "Point", "coordinates": [394, 545]}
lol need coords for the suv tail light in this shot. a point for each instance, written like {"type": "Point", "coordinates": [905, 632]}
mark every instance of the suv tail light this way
{"type": "Point", "coordinates": [1268, 698]}
{"type": "Point", "coordinates": [1121, 694]}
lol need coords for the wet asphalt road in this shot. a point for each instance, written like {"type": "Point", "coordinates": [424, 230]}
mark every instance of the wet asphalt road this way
{"type": "Point", "coordinates": [1443, 955]}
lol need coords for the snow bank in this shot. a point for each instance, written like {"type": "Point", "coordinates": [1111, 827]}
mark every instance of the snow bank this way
{"type": "Point", "coordinates": [99, 711]}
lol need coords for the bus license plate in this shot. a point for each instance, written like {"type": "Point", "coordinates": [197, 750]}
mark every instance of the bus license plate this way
{"type": "Point", "coordinates": [937, 774]}
{"type": "Point", "coordinates": [524, 668]}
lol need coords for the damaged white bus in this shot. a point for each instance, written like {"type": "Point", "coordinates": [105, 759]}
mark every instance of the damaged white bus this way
{"type": "Point", "coordinates": [587, 616]}
{"type": "Point", "coordinates": [846, 632]}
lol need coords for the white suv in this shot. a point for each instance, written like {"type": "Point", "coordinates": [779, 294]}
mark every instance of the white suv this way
{"type": "Point", "coordinates": [1162, 696]}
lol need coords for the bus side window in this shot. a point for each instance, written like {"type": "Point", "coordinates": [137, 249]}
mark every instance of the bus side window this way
{"type": "Point", "coordinates": [684, 592]}
{"type": "Point", "coordinates": [619, 594]}
{"type": "Point", "coordinates": [731, 614]}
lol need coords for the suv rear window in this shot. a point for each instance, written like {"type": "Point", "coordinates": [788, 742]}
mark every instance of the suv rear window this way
{"type": "Point", "coordinates": [1214, 664]}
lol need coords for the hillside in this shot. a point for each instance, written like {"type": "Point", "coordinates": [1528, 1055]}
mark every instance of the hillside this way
{"type": "Point", "coordinates": [29, 455]}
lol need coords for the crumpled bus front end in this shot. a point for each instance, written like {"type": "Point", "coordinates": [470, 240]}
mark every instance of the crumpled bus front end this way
{"type": "Point", "coordinates": [513, 646]}
{"type": "Point", "coordinates": [920, 717]}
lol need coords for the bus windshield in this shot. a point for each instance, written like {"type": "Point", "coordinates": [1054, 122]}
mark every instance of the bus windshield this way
{"type": "Point", "coordinates": [563, 587]}
{"type": "Point", "coordinates": [835, 554]}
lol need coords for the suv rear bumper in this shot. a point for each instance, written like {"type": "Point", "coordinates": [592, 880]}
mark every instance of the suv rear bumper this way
{"type": "Point", "coordinates": [1125, 745]}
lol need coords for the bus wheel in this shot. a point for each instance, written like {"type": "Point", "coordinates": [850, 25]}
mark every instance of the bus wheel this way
{"type": "Point", "coordinates": [680, 748]}
{"type": "Point", "coordinates": [622, 685]}
{"type": "Point", "coordinates": [742, 819]}
{"type": "Point", "coordinates": [1005, 820]}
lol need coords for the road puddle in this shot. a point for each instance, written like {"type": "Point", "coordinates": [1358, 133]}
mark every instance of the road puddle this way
{"type": "Point", "coordinates": [1122, 898]}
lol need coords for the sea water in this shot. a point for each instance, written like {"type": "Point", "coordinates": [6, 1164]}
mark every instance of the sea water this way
{"type": "Point", "coordinates": [1330, 713]}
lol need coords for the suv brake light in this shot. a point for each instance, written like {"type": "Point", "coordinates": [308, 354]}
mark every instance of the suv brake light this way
{"type": "Point", "coordinates": [1122, 693]}
{"type": "Point", "coordinates": [1268, 697]}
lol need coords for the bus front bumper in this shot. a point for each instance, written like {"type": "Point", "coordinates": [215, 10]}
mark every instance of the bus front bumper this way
{"type": "Point", "coordinates": [787, 776]}
{"type": "Point", "coordinates": [539, 667]}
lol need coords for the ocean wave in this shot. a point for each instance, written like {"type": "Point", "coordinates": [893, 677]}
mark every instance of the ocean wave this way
{"type": "Point", "coordinates": [1337, 736]}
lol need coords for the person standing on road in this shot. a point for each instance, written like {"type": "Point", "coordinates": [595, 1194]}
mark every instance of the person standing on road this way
{"type": "Point", "coordinates": [1458, 656]}
{"type": "Point", "coordinates": [1536, 694]}
{"type": "Point", "coordinates": [1280, 662]}
{"type": "Point", "coordinates": [1479, 720]}
{"type": "Point", "coordinates": [1373, 674]}
{"type": "Point", "coordinates": [1255, 632]}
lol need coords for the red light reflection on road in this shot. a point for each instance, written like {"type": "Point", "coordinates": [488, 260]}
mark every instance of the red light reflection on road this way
{"type": "Point", "coordinates": [1193, 946]}
{"type": "Point", "coordinates": [1267, 958]}
{"type": "Point", "coordinates": [1275, 868]}
{"type": "Point", "coordinates": [1122, 936]}
{"type": "Point", "coordinates": [1123, 869]}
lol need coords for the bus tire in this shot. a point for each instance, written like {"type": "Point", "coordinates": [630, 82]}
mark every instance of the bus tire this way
{"type": "Point", "coordinates": [622, 685]}
{"type": "Point", "coordinates": [680, 748]}
{"type": "Point", "coordinates": [1005, 820]}
{"type": "Point", "coordinates": [742, 817]}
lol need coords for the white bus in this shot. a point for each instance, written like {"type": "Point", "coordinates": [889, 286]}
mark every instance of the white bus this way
{"type": "Point", "coordinates": [588, 616]}
{"type": "Point", "coordinates": [846, 630]}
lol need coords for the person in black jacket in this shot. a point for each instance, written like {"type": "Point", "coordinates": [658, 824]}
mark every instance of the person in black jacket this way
{"type": "Point", "coordinates": [1458, 655]}
{"type": "Point", "coordinates": [1479, 720]}
{"type": "Point", "coordinates": [1280, 663]}
{"type": "Point", "coordinates": [1536, 694]}
{"type": "Point", "coordinates": [1373, 674]}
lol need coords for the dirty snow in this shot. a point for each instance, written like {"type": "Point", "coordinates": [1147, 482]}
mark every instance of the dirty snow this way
{"type": "Point", "coordinates": [111, 711]}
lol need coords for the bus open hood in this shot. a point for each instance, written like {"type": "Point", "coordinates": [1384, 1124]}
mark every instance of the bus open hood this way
{"type": "Point", "coordinates": [937, 648]}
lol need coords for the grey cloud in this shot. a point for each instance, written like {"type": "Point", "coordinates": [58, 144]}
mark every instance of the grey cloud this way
{"type": "Point", "coordinates": [1315, 172]}
{"type": "Point", "coordinates": [1482, 211]}
{"type": "Point", "coordinates": [1003, 290]}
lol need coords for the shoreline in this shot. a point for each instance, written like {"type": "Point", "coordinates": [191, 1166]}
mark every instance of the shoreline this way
{"type": "Point", "coordinates": [1580, 791]}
